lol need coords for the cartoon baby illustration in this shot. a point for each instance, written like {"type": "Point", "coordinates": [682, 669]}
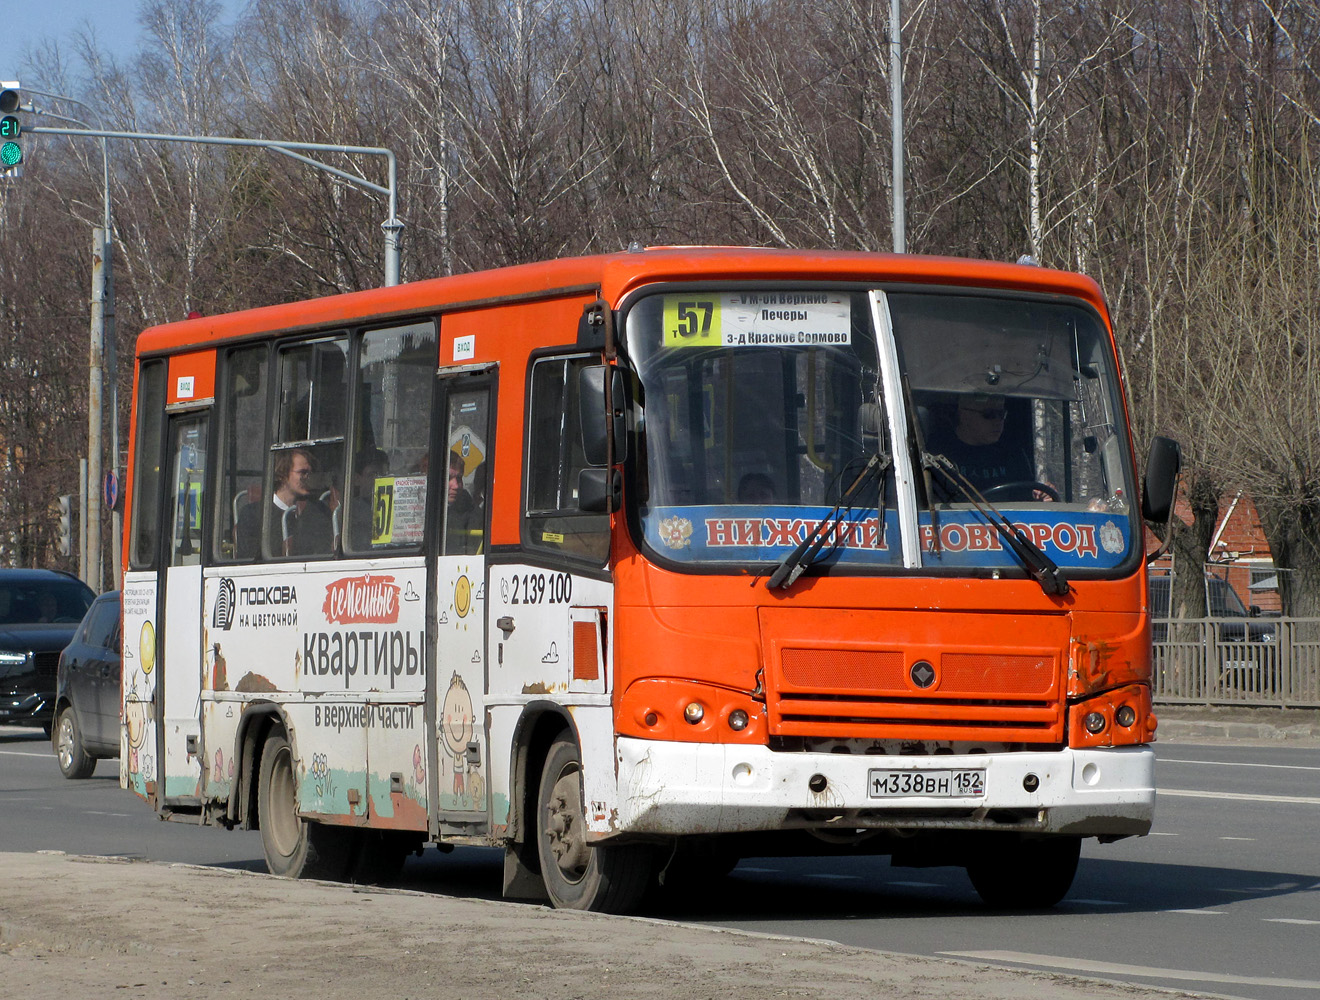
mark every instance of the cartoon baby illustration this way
{"type": "Point", "coordinates": [135, 722]}
{"type": "Point", "coordinates": [456, 730]}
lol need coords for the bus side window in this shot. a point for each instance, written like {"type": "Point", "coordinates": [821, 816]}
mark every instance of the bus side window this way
{"type": "Point", "coordinates": [305, 462]}
{"type": "Point", "coordinates": [147, 479]}
{"type": "Point", "coordinates": [241, 403]}
{"type": "Point", "coordinates": [554, 459]}
{"type": "Point", "coordinates": [386, 498]}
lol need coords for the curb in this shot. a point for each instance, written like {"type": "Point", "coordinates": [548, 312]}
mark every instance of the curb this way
{"type": "Point", "coordinates": [1193, 730]}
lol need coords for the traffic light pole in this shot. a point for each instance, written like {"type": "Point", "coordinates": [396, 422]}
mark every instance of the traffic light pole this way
{"type": "Point", "coordinates": [103, 299]}
{"type": "Point", "coordinates": [103, 358]}
{"type": "Point", "coordinates": [392, 226]}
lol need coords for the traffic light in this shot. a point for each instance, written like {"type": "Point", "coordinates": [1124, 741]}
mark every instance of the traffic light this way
{"type": "Point", "coordinates": [11, 151]}
{"type": "Point", "coordinates": [66, 525]}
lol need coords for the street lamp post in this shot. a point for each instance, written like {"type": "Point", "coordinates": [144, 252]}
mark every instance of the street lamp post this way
{"type": "Point", "coordinates": [896, 104]}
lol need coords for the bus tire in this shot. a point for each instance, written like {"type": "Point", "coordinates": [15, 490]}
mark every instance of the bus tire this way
{"type": "Point", "coordinates": [73, 758]}
{"type": "Point", "coordinates": [293, 846]}
{"type": "Point", "coordinates": [578, 875]}
{"type": "Point", "coordinates": [1026, 873]}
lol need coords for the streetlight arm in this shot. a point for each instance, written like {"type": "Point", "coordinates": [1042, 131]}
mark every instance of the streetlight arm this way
{"type": "Point", "coordinates": [354, 178]}
{"type": "Point", "coordinates": [392, 225]}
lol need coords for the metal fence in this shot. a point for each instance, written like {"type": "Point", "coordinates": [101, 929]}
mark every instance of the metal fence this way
{"type": "Point", "coordinates": [1237, 661]}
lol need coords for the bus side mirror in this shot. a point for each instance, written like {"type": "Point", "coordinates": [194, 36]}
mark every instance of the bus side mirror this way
{"type": "Point", "coordinates": [600, 490]}
{"type": "Point", "coordinates": [600, 421]}
{"type": "Point", "coordinates": [1161, 480]}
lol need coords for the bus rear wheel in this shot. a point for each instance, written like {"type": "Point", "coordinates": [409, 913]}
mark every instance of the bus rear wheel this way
{"type": "Point", "coordinates": [1023, 873]}
{"type": "Point", "coordinates": [577, 874]}
{"type": "Point", "coordinates": [293, 846]}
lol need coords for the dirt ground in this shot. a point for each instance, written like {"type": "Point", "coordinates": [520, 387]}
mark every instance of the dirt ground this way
{"type": "Point", "coordinates": [78, 927]}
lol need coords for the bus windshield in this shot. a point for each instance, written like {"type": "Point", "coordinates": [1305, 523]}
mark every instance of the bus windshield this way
{"type": "Point", "coordinates": [762, 410]}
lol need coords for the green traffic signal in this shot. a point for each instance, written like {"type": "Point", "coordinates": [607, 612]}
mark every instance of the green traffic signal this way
{"type": "Point", "coordinates": [11, 153]}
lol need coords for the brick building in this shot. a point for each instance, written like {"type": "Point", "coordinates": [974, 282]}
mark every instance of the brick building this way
{"type": "Point", "coordinates": [1239, 552]}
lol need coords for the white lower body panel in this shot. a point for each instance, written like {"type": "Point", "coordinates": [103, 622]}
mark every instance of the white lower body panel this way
{"type": "Point", "coordinates": [701, 788]}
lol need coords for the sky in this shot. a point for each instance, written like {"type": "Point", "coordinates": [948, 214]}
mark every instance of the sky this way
{"type": "Point", "coordinates": [26, 23]}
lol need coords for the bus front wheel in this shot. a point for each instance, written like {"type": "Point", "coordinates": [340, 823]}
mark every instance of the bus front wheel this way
{"type": "Point", "coordinates": [578, 875]}
{"type": "Point", "coordinates": [1023, 873]}
{"type": "Point", "coordinates": [294, 847]}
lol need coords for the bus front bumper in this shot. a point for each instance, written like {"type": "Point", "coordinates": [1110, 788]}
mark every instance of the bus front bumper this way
{"type": "Point", "coordinates": [668, 788]}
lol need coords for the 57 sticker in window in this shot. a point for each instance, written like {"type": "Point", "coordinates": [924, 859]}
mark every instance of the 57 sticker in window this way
{"type": "Point", "coordinates": [763, 318]}
{"type": "Point", "coordinates": [692, 321]}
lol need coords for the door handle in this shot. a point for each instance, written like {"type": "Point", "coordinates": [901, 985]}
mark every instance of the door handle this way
{"type": "Point", "coordinates": [505, 625]}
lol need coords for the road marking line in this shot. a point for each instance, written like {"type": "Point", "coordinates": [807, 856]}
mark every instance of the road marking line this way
{"type": "Point", "coordinates": [1200, 913]}
{"type": "Point", "coordinates": [1290, 920]}
{"type": "Point", "coordinates": [1235, 763]}
{"type": "Point", "coordinates": [1238, 838]}
{"type": "Point", "coordinates": [23, 753]}
{"type": "Point", "coordinates": [1161, 833]}
{"type": "Point", "coordinates": [93, 812]}
{"type": "Point", "coordinates": [1188, 793]}
{"type": "Point", "coordinates": [1116, 969]}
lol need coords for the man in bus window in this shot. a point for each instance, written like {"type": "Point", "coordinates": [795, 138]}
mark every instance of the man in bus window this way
{"type": "Point", "coordinates": [297, 524]}
{"type": "Point", "coordinates": [972, 438]}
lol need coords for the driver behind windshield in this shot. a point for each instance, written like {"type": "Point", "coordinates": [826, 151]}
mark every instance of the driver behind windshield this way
{"type": "Point", "coordinates": [971, 435]}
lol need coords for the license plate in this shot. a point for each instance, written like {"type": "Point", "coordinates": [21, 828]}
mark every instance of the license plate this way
{"type": "Point", "coordinates": [965, 783]}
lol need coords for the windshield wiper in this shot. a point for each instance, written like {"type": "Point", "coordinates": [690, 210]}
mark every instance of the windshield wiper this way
{"type": "Point", "coordinates": [1045, 571]}
{"type": "Point", "coordinates": [796, 562]}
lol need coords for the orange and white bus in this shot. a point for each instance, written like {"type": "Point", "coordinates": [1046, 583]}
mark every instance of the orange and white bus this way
{"type": "Point", "coordinates": [646, 562]}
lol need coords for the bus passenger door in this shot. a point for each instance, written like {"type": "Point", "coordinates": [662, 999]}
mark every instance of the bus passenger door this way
{"type": "Point", "coordinates": [461, 442]}
{"type": "Point", "coordinates": [179, 686]}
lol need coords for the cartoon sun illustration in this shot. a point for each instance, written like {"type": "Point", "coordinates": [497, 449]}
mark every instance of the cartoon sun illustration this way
{"type": "Point", "coordinates": [463, 596]}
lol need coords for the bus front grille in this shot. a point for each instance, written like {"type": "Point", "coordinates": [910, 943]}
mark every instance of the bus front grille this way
{"type": "Point", "coordinates": [877, 694]}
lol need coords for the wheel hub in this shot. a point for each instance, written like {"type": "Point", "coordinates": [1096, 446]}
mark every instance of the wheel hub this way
{"type": "Point", "coordinates": [564, 827]}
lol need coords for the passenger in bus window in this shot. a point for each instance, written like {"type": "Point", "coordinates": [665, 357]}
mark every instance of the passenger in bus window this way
{"type": "Point", "coordinates": [297, 524]}
{"type": "Point", "coordinates": [463, 520]}
{"type": "Point", "coordinates": [972, 437]}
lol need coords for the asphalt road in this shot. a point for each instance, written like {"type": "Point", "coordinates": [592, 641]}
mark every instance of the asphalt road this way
{"type": "Point", "coordinates": [1223, 898]}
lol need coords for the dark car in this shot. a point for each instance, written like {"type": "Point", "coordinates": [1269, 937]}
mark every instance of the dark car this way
{"type": "Point", "coordinates": [1222, 601]}
{"type": "Point", "coordinates": [87, 692]}
{"type": "Point", "coordinates": [39, 611]}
